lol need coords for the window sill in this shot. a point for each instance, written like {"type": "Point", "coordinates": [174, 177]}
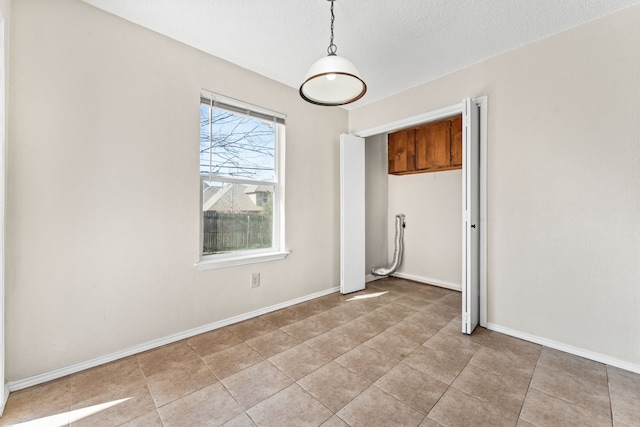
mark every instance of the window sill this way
{"type": "Point", "coordinates": [210, 264]}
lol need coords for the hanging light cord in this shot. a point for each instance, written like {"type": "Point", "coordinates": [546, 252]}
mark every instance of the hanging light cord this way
{"type": "Point", "coordinates": [331, 50]}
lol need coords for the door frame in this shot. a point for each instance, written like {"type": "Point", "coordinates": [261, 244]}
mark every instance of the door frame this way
{"type": "Point", "coordinates": [4, 389]}
{"type": "Point", "coordinates": [441, 113]}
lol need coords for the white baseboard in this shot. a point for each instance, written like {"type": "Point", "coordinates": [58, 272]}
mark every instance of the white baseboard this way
{"type": "Point", "coordinates": [370, 278]}
{"type": "Point", "coordinates": [429, 281]}
{"type": "Point", "coordinates": [577, 351]}
{"type": "Point", "coordinates": [77, 367]}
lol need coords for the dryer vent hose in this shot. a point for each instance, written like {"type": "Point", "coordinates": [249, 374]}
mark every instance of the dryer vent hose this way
{"type": "Point", "coordinates": [397, 253]}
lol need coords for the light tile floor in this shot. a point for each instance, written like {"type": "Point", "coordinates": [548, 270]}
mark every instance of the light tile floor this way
{"type": "Point", "coordinates": [396, 358]}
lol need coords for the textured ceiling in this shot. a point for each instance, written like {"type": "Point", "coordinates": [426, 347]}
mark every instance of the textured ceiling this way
{"type": "Point", "coordinates": [395, 45]}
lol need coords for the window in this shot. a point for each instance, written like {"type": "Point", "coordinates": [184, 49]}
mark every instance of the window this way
{"type": "Point", "coordinates": [242, 193]}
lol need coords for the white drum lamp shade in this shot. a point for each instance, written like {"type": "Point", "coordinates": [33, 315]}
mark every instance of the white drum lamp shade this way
{"type": "Point", "coordinates": [332, 80]}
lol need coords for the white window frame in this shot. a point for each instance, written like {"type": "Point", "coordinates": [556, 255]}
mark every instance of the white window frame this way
{"type": "Point", "coordinates": [277, 251]}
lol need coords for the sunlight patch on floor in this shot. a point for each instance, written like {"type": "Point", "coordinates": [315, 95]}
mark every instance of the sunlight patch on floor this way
{"type": "Point", "coordinates": [66, 418]}
{"type": "Point", "coordinates": [374, 295]}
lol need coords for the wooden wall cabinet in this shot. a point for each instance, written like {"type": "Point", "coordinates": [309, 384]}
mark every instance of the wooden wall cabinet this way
{"type": "Point", "coordinates": [402, 151]}
{"type": "Point", "coordinates": [432, 147]}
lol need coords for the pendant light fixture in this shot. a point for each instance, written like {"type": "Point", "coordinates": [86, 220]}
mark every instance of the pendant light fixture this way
{"type": "Point", "coordinates": [332, 80]}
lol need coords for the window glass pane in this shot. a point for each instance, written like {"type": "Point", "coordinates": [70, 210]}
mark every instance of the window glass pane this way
{"type": "Point", "coordinates": [236, 145]}
{"type": "Point", "coordinates": [236, 217]}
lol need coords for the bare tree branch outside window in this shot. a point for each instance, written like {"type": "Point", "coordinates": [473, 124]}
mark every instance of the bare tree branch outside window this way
{"type": "Point", "coordinates": [235, 145]}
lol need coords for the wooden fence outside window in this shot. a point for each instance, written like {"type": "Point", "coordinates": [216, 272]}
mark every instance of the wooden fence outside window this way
{"type": "Point", "coordinates": [227, 232]}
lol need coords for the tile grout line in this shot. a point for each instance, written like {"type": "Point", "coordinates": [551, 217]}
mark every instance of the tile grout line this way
{"type": "Point", "coordinates": [577, 405]}
{"type": "Point", "coordinates": [448, 386]}
{"type": "Point", "coordinates": [529, 385]}
{"type": "Point", "coordinates": [146, 383]}
{"type": "Point", "coordinates": [606, 368]}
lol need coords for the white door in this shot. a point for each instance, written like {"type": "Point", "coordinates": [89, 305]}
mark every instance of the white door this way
{"type": "Point", "coordinates": [352, 226]}
{"type": "Point", "coordinates": [470, 216]}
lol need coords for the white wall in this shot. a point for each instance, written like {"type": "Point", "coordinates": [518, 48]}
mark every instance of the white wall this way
{"type": "Point", "coordinates": [432, 203]}
{"type": "Point", "coordinates": [103, 189]}
{"type": "Point", "coordinates": [563, 179]}
{"type": "Point", "coordinates": [376, 201]}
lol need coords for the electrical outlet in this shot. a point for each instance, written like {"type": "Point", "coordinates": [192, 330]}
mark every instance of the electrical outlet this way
{"type": "Point", "coordinates": [255, 280]}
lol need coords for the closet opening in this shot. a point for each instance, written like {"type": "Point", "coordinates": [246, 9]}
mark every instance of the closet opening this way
{"type": "Point", "coordinates": [441, 189]}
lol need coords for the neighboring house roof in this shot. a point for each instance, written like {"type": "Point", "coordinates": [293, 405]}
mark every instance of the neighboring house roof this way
{"type": "Point", "coordinates": [250, 189]}
{"type": "Point", "coordinates": [231, 198]}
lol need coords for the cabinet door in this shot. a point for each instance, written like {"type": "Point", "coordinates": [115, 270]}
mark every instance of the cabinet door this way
{"type": "Point", "coordinates": [432, 145]}
{"type": "Point", "coordinates": [456, 141]}
{"type": "Point", "coordinates": [402, 150]}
